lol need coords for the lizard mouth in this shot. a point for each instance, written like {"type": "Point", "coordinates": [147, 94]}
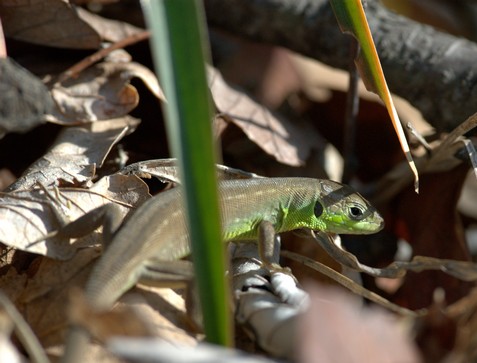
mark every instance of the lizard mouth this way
{"type": "Point", "coordinates": [379, 224]}
{"type": "Point", "coordinates": [374, 225]}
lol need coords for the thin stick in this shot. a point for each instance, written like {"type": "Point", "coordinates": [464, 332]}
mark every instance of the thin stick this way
{"type": "Point", "coordinates": [100, 54]}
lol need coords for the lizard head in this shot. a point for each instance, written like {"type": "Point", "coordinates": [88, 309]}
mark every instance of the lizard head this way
{"type": "Point", "coordinates": [341, 210]}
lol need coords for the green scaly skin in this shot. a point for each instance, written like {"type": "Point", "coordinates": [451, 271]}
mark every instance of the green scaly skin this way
{"type": "Point", "coordinates": [158, 228]}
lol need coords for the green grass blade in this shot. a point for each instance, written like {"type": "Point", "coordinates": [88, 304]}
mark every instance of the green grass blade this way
{"type": "Point", "coordinates": [179, 51]}
{"type": "Point", "coordinates": [352, 20]}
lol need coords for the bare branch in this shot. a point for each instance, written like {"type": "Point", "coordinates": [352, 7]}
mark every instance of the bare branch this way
{"type": "Point", "coordinates": [435, 71]}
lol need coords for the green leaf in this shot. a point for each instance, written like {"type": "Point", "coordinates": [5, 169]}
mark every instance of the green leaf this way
{"type": "Point", "coordinates": [179, 51]}
{"type": "Point", "coordinates": [352, 20]}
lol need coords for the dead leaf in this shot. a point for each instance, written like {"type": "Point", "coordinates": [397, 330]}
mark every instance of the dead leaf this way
{"type": "Point", "coordinates": [12, 283]}
{"type": "Point", "coordinates": [28, 216]}
{"type": "Point", "coordinates": [287, 142]}
{"type": "Point", "coordinates": [101, 92]}
{"type": "Point", "coordinates": [44, 298]}
{"type": "Point", "coordinates": [114, 54]}
{"type": "Point", "coordinates": [104, 324]}
{"type": "Point", "coordinates": [109, 30]}
{"type": "Point", "coordinates": [6, 178]}
{"type": "Point", "coordinates": [124, 189]}
{"type": "Point", "coordinates": [77, 151]}
{"type": "Point", "coordinates": [54, 23]}
{"type": "Point", "coordinates": [319, 80]}
{"type": "Point", "coordinates": [337, 328]}
{"type": "Point", "coordinates": [24, 99]}
{"type": "Point", "coordinates": [173, 324]}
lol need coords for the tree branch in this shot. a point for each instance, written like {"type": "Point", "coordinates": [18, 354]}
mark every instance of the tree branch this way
{"type": "Point", "coordinates": [434, 71]}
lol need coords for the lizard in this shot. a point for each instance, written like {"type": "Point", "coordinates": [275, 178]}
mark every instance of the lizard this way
{"type": "Point", "coordinates": [158, 229]}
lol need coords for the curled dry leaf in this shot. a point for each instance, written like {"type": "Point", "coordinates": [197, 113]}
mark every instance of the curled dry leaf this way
{"type": "Point", "coordinates": [54, 23]}
{"type": "Point", "coordinates": [137, 70]}
{"type": "Point", "coordinates": [100, 92]}
{"type": "Point", "coordinates": [28, 216]}
{"type": "Point", "coordinates": [77, 151]}
{"type": "Point", "coordinates": [287, 142]}
{"type": "Point", "coordinates": [117, 55]}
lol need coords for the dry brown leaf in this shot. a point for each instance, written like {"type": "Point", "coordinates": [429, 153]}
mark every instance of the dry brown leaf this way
{"type": "Point", "coordinates": [318, 80]}
{"type": "Point", "coordinates": [53, 23]}
{"type": "Point", "coordinates": [100, 92]}
{"type": "Point", "coordinates": [6, 178]}
{"type": "Point", "coordinates": [162, 308]}
{"type": "Point", "coordinates": [49, 293]}
{"type": "Point", "coordinates": [49, 275]}
{"type": "Point", "coordinates": [77, 151]}
{"type": "Point", "coordinates": [104, 324]}
{"type": "Point", "coordinates": [24, 99]}
{"type": "Point", "coordinates": [126, 190]}
{"type": "Point", "coordinates": [148, 77]}
{"type": "Point", "coordinates": [11, 282]}
{"type": "Point", "coordinates": [289, 143]}
{"type": "Point", "coordinates": [45, 299]}
{"type": "Point", "coordinates": [172, 323]}
{"type": "Point", "coordinates": [337, 328]}
{"type": "Point", "coordinates": [46, 294]}
{"type": "Point", "coordinates": [109, 30]}
{"type": "Point", "coordinates": [28, 216]}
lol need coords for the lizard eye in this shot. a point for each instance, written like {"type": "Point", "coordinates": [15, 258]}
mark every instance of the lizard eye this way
{"type": "Point", "coordinates": [356, 212]}
{"type": "Point", "coordinates": [318, 209]}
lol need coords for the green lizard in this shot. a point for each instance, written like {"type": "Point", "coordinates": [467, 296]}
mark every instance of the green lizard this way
{"type": "Point", "coordinates": [158, 228]}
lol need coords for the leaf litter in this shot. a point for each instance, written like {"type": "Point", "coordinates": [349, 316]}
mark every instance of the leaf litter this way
{"type": "Point", "coordinates": [65, 183]}
{"type": "Point", "coordinates": [27, 217]}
